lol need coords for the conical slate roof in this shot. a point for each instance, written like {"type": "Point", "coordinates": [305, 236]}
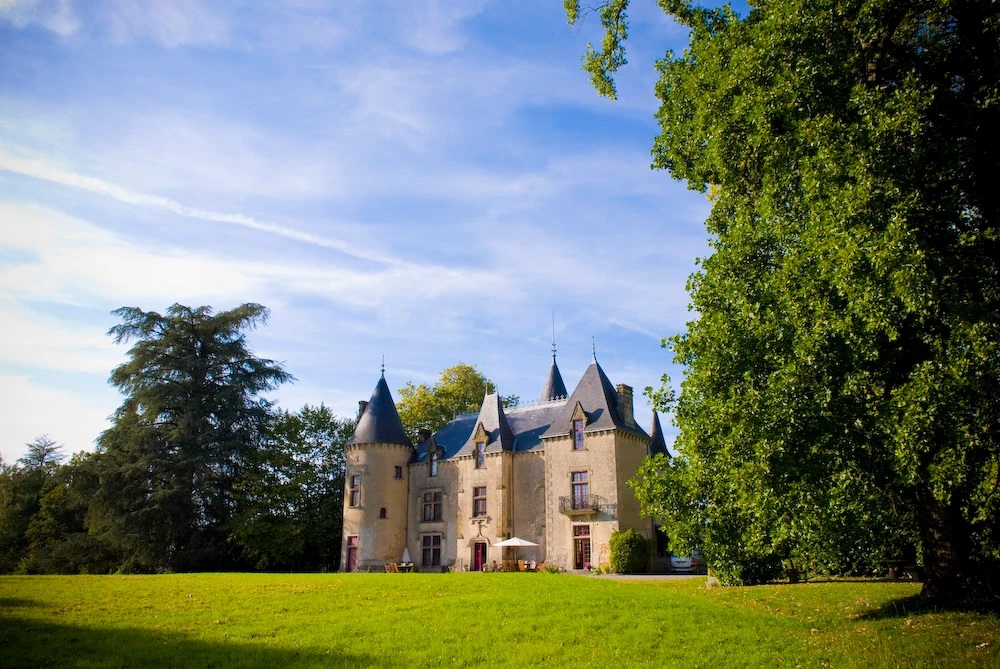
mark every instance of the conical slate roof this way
{"type": "Point", "coordinates": [599, 400]}
{"type": "Point", "coordinates": [554, 388]}
{"type": "Point", "coordinates": [657, 443]}
{"type": "Point", "coordinates": [380, 424]}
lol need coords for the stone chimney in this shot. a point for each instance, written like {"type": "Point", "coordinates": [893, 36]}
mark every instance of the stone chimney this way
{"type": "Point", "coordinates": [362, 405]}
{"type": "Point", "coordinates": [423, 435]}
{"type": "Point", "coordinates": [625, 403]}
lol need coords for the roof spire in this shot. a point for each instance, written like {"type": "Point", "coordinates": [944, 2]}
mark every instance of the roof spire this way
{"type": "Point", "coordinates": [554, 387]}
{"type": "Point", "coordinates": [593, 347]}
{"type": "Point", "coordinates": [383, 365]}
{"type": "Point", "coordinates": [553, 335]}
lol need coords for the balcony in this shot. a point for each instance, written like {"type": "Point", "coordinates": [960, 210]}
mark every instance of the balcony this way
{"type": "Point", "coordinates": [581, 505]}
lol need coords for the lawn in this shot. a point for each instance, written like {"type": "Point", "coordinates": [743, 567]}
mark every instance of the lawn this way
{"type": "Point", "coordinates": [497, 620]}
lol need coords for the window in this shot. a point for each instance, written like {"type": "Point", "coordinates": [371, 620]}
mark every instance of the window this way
{"type": "Point", "coordinates": [434, 464]}
{"type": "Point", "coordinates": [581, 490]}
{"type": "Point", "coordinates": [356, 490]}
{"type": "Point", "coordinates": [578, 435]}
{"type": "Point", "coordinates": [479, 501]}
{"type": "Point", "coordinates": [432, 506]}
{"type": "Point", "coordinates": [480, 455]}
{"type": "Point", "coordinates": [381, 512]}
{"type": "Point", "coordinates": [431, 545]}
{"type": "Point", "coordinates": [398, 472]}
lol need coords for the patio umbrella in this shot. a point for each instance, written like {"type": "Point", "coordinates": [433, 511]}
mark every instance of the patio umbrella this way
{"type": "Point", "coordinates": [515, 543]}
{"type": "Point", "coordinates": [406, 555]}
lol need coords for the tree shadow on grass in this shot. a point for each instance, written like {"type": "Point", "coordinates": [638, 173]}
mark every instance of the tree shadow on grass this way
{"type": "Point", "coordinates": [904, 607]}
{"type": "Point", "coordinates": [28, 642]}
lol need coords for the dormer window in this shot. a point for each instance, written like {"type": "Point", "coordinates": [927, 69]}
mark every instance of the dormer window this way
{"type": "Point", "coordinates": [578, 444]}
{"type": "Point", "coordinates": [480, 455]}
{"type": "Point", "coordinates": [434, 464]}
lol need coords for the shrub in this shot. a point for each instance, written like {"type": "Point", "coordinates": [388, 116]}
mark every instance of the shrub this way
{"type": "Point", "coordinates": [629, 552]}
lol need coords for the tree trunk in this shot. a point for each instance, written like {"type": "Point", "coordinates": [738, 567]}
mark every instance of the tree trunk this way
{"type": "Point", "coordinates": [953, 578]}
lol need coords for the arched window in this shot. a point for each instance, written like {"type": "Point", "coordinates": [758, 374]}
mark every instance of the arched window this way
{"type": "Point", "coordinates": [381, 512]}
{"type": "Point", "coordinates": [434, 464]}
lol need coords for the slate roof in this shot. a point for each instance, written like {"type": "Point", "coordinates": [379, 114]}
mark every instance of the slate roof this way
{"type": "Point", "coordinates": [599, 400]}
{"type": "Point", "coordinates": [525, 425]}
{"type": "Point", "coordinates": [657, 443]}
{"type": "Point", "coordinates": [380, 424]}
{"type": "Point", "coordinates": [523, 428]}
{"type": "Point", "coordinates": [554, 387]}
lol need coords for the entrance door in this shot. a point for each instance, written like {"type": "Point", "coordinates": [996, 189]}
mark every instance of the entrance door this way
{"type": "Point", "coordinates": [581, 546]}
{"type": "Point", "coordinates": [352, 553]}
{"type": "Point", "coordinates": [478, 555]}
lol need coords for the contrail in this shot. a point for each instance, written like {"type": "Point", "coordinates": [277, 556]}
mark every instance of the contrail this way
{"type": "Point", "coordinates": [40, 169]}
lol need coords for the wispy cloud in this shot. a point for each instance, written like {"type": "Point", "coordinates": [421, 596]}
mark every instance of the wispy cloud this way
{"type": "Point", "coordinates": [40, 169]}
{"type": "Point", "coordinates": [54, 15]}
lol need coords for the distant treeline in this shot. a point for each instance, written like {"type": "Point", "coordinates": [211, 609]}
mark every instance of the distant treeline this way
{"type": "Point", "coordinates": [198, 471]}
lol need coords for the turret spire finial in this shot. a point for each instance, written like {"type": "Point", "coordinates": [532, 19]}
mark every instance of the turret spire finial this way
{"type": "Point", "coordinates": [553, 335]}
{"type": "Point", "coordinates": [383, 365]}
{"type": "Point", "coordinates": [593, 347]}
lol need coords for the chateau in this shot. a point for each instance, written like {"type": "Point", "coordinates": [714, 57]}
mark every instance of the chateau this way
{"type": "Point", "coordinates": [553, 473]}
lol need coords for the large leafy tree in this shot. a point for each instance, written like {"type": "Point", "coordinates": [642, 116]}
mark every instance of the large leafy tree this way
{"type": "Point", "coordinates": [844, 368]}
{"type": "Point", "coordinates": [193, 416]}
{"type": "Point", "coordinates": [461, 388]}
{"type": "Point", "coordinates": [291, 496]}
{"type": "Point", "coordinates": [58, 538]}
{"type": "Point", "coordinates": [22, 488]}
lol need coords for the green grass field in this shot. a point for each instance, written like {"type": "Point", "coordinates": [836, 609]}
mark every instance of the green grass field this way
{"type": "Point", "coordinates": [497, 620]}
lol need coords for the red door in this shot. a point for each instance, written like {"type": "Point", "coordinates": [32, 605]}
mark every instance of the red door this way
{"type": "Point", "coordinates": [352, 553]}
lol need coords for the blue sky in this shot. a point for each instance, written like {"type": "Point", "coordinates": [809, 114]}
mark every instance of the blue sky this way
{"type": "Point", "coordinates": [426, 181]}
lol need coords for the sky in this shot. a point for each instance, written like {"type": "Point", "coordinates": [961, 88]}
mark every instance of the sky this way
{"type": "Point", "coordinates": [425, 182]}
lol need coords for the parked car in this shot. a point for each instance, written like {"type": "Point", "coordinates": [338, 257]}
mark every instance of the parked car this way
{"type": "Point", "coordinates": [693, 564]}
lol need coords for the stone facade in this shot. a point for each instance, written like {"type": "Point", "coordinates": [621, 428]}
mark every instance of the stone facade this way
{"type": "Point", "coordinates": [553, 473]}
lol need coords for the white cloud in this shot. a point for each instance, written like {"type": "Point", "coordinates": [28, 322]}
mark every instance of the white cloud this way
{"type": "Point", "coordinates": [171, 24]}
{"type": "Point", "coordinates": [41, 169]}
{"type": "Point", "coordinates": [53, 15]}
{"type": "Point", "coordinates": [433, 26]}
{"type": "Point", "coordinates": [29, 338]}
{"type": "Point", "coordinates": [32, 408]}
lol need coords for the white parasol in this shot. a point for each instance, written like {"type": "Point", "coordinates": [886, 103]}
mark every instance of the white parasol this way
{"type": "Point", "coordinates": [515, 542]}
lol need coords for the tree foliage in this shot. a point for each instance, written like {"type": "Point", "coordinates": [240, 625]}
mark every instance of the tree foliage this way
{"type": "Point", "coordinates": [192, 418]}
{"type": "Point", "coordinates": [461, 388]}
{"type": "Point", "coordinates": [291, 497]}
{"type": "Point", "coordinates": [22, 488]}
{"type": "Point", "coordinates": [843, 371]}
{"type": "Point", "coordinates": [42, 451]}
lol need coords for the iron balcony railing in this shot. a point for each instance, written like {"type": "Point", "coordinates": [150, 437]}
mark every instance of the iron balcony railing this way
{"type": "Point", "coordinates": [580, 504]}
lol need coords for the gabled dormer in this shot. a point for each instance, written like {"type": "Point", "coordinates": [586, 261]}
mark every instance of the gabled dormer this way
{"type": "Point", "coordinates": [492, 433]}
{"type": "Point", "coordinates": [598, 401]}
{"type": "Point", "coordinates": [577, 426]}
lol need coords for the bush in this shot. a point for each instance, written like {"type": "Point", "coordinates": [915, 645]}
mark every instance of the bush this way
{"type": "Point", "coordinates": [629, 552]}
{"type": "Point", "coordinates": [747, 569]}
